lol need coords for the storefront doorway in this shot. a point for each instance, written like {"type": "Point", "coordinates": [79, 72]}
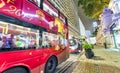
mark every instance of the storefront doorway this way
{"type": "Point", "coordinates": [116, 35]}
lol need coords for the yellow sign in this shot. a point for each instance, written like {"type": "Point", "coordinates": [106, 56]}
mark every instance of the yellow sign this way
{"type": "Point", "coordinates": [60, 25]}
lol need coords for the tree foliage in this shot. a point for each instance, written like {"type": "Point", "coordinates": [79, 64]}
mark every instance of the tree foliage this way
{"type": "Point", "coordinates": [93, 8]}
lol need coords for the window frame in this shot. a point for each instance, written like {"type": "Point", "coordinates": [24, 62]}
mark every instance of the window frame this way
{"type": "Point", "coordinates": [51, 9]}
{"type": "Point", "coordinates": [10, 20]}
{"type": "Point", "coordinates": [40, 4]}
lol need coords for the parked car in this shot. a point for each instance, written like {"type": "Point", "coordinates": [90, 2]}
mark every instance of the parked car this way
{"type": "Point", "coordinates": [74, 46]}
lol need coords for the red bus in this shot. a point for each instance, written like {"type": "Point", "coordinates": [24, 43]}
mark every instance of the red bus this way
{"type": "Point", "coordinates": [33, 36]}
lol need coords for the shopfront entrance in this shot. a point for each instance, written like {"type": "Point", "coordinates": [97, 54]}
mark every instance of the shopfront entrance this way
{"type": "Point", "coordinates": [116, 35]}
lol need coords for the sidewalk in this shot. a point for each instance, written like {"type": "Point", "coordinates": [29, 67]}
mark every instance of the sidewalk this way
{"type": "Point", "coordinates": [105, 61]}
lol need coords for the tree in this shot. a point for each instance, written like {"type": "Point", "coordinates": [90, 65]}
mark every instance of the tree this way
{"type": "Point", "coordinates": [93, 8]}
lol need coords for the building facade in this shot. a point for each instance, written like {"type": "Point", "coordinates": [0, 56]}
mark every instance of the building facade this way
{"type": "Point", "coordinates": [114, 5]}
{"type": "Point", "coordinates": [115, 27]}
{"type": "Point", "coordinates": [82, 28]}
{"type": "Point", "coordinates": [100, 37]}
{"type": "Point", "coordinates": [110, 23]}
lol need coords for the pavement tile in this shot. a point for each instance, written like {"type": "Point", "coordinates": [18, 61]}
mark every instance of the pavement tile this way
{"type": "Point", "coordinates": [104, 62]}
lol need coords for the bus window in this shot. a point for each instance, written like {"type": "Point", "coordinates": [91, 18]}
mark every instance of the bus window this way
{"type": "Point", "coordinates": [20, 33]}
{"type": "Point", "coordinates": [37, 2]}
{"type": "Point", "coordinates": [50, 39]}
{"type": "Point", "coordinates": [40, 39]}
{"type": "Point", "coordinates": [72, 42]}
{"type": "Point", "coordinates": [2, 32]}
{"type": "Point", "coordinates": [62, 18]}
{"type": "Point", "coordinates": [18, 37]}
{"type": "Point", "coordinates": [50, 9]}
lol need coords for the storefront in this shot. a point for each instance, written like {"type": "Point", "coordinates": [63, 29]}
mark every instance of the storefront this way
{"type": "Point", "coordinates": [106, 21]}
{"type": "Point", "coordinates": [116, 34]}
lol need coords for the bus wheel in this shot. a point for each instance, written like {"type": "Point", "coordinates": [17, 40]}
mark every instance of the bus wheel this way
{"type": "Point", "coordinates": [51, 65]}
{"type": "Point", "coordinates": [16, 70]}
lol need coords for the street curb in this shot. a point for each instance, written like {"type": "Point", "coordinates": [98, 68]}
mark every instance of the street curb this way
{"type": "Point", "coordinates": [80, 54]}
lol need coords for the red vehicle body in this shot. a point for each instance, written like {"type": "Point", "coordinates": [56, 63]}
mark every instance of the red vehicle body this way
{"type": "Point", "coordinates": [25, 26]}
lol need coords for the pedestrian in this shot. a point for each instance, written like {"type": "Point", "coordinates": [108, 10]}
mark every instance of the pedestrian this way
{"type": "Point", "coordinates": [105, 45]}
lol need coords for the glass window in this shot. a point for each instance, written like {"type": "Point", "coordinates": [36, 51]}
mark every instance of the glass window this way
{"type": "Point", "coordinates": [2, 31]}
{"type": "Point", "coordinates": [50, 39]}
{"type": "Point", "coordinates": [36, 2]}
{"type": "Point", "coordinates": [13, 37]}
{"type": "Point", "coordinates": [62, 18]}
{"type": "Point", "coordinates": [50, 9]}
{"type": "Point", "coordinates": [72, 42]}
